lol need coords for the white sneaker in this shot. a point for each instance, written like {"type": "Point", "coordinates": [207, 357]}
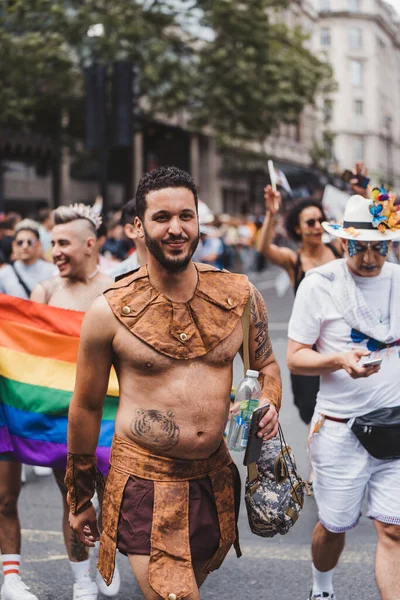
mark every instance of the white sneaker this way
{"type": "Point", "coordinates": [113, 588]}
{"type": "Point", "coordinates": [42, 471]}
{"type": "Point", "coordinates": [327, 595]}
{"type": "Point", "coordinates": [85, 589]}
{"type": "Point", "coordinates": [15, 589]}
{"type": "Point", "coordinates": [23, 474]}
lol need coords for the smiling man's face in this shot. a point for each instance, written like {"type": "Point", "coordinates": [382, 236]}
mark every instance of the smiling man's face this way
{"type": "Point", "coordinates": [72, 246]}
{"type": "Point", "coordinates": [366, 259]}
{"type": "Point", "coordinates": [170, 227]}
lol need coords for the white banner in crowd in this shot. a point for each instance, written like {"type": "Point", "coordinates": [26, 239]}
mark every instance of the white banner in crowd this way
{"type": "Point", "coordinates": [334, 202]}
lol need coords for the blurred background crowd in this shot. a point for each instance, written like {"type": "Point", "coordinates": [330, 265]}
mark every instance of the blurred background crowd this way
{"type": "Point", "coordinates": [226, 241]}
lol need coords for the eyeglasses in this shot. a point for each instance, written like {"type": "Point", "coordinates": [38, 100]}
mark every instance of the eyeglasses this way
{"type": "Point", "coordinates": [312, 222]}
{"type": "Point", "coordinates": [27, 242]}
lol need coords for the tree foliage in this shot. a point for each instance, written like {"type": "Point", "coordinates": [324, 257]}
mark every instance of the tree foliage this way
{"type": "Point", "coordinates": [256, 73]}
{"type": "Point", "coordinates": [248, 74]}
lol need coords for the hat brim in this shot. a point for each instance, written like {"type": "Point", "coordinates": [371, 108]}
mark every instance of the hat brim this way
{"type": "Point", "coordinates": [364, 235]}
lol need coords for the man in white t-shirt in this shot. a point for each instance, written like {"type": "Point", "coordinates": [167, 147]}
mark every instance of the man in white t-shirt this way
{"type": "Point", "coordinates": [21, 277]}
{"type": "Point", "coordinates": [349, 309]}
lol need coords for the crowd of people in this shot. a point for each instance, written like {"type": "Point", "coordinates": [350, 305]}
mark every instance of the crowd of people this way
{"type": "Point", "coordinates": [172, 328]}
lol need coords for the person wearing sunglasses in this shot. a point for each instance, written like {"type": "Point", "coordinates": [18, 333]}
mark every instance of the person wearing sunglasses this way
{"type": "Point", "coordinates": [304, 226]}
{"type": "Point", "coordinates": [21, 276]}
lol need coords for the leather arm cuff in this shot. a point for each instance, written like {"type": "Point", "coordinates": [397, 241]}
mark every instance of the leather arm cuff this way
{"type": "Point", "coordinates": [80, 480]}
{"type": "Point", "coordinates": [272, 389]}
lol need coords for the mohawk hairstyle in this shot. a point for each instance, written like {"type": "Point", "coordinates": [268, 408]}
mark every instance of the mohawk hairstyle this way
{"type": "Point", "coordinates": [74, 212]}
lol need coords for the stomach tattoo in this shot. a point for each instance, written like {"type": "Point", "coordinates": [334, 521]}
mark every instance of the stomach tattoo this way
{"type": "Point", "coordinates": [155, 428]}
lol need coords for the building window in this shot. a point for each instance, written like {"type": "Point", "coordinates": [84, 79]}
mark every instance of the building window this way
{"type": "Point", "coordinates": [381, 44]}
{"type": "Point", "coordinates": [328, 110]}
{"type": "Point", "coordinates": [325, 37]}
{"type": "Point", "coordinates": [324, 5]}
{"type": "Point", "coordinates": [359, 149]}
{"type": "Point", "coordinates": [357, 71]}
{"type": "Point", "coordinates": [355, 38]}
{"type": "Point", "coordinates": [358, 107]}
{"type": "Point", "coordinates": [354, 5]}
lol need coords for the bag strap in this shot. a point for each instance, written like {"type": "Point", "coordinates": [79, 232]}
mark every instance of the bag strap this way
{"type": "Point", "coordinates": [21, 281]}
{"type": "Point", "coordinates": [245, 318]}
{"type": "Point", "coordinates": [252, 470]}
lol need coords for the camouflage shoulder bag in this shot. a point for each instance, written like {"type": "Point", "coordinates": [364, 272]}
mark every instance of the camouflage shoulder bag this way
{"type": "Point", "coordinates": [274, 491]}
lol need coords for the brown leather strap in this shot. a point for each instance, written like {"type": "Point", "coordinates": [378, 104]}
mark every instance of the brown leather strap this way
{"type": "Point", "coordinates": [245, 319]}
{"type": "Point", "coordinates": [336, 419]}
{"type": "Point", "coordinates": [223, 488]}
{"type": "Point", "coordinates": [252, 471]}
{"type": "Point", "coordinates": [170, 566]}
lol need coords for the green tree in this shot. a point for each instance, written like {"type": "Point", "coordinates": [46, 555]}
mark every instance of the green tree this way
{"type": "Point", "coordinates": [45, 45]}
{"type": "Point", "coordinates": [245, 76]}
{"type": "Point", "coordinates": [255, 72]}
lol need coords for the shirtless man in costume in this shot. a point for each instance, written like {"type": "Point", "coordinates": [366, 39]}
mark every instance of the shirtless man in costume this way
{"type": "Point", "coordinates": [75, 288]}
{"type": "Point", "coordinates": [172, 330]}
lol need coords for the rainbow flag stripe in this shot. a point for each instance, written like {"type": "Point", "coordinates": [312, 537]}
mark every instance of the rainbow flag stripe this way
{"type": "Point", "coordinates": [38, 354]}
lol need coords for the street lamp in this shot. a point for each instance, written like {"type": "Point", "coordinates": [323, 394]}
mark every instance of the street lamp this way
{"type": "Point", "coordinates": [96, 102]}
{"type": "Point", "coordinates": [95, 93]}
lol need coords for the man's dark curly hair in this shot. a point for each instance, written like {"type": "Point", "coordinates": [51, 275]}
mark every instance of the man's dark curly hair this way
{"type": "Point", "coordinates": [158, 179]}
{"type": "Point", "coordinates": [293, 217]}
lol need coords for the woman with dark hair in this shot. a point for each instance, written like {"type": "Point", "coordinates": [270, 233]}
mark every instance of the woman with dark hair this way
{"type": "Point", "coordinates": [303, 225]}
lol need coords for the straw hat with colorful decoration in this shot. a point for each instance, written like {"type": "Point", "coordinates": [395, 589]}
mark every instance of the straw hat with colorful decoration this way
{"type": "Point", "coordinates": [369, 219]}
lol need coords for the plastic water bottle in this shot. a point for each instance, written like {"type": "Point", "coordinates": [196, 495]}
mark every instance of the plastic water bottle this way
{"type": "Point", "coordinates": [248, 396]}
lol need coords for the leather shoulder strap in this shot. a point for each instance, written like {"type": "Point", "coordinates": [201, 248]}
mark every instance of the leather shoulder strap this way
{"type": "Point", "coordinates": [245, 318]}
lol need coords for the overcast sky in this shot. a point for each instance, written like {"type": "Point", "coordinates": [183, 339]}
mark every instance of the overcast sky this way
{"type": "Point", "coordinates": [395, 3]}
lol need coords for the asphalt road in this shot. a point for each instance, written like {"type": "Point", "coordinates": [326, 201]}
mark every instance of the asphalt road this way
{"type": "Point", "coordinates": [275, 569]}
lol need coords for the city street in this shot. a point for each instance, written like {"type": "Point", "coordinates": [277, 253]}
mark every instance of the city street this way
{"type": "Point", "coordinates": [276, 569]}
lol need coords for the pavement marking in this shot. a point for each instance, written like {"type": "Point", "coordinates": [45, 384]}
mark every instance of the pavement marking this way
{"type": "Point", "coordinates": [40, 535]}
{"type": "Point", "coordinates": [47, 558]}
{"type": "Point", "coordinates": [303, 553]}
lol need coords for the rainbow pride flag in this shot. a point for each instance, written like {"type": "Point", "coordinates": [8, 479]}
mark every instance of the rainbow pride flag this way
{"type": "Point", "coordinates": [38, 354]}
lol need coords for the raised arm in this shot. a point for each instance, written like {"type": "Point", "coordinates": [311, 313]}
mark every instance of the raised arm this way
{"type": "Point", "coordinates": [359, 169]}
{"type": "Point", "coordinates": [283, 257]}
{"type": "Point", "coordinates": [262, 359]}
{"type": "Point", "coordinates": [84, 417]}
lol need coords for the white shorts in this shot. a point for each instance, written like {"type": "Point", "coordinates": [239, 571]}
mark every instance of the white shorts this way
{"type": "Point", "coordinates": [344, 471]}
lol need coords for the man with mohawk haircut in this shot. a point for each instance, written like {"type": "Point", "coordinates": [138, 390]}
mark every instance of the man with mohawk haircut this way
{"type": "Point", "coordinates": [74, 253]}
{"type": "Point", "coordinates": [78, 284]}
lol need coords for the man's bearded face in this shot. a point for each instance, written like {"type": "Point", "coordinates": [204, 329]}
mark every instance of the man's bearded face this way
{"type": "Point", "coordinates": [170, 227]}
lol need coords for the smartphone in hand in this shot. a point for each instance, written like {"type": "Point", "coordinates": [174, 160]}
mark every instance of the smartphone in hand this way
{"type": "Point", "coordinates": [371, 362]}
{"type": "Point", "coordinates": [254, 443]}
{"type": "Point", "coordinates": [362, 181]}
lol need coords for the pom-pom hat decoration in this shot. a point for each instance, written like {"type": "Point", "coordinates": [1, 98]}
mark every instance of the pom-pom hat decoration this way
{"type": "Point", "coordinates": [369, 219]}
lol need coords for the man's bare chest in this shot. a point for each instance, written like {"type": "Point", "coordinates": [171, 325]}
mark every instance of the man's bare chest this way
{"type": "Point", "coordinates": [73, 297]}
{"type": "Point", "coordinates": [132, 353]}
